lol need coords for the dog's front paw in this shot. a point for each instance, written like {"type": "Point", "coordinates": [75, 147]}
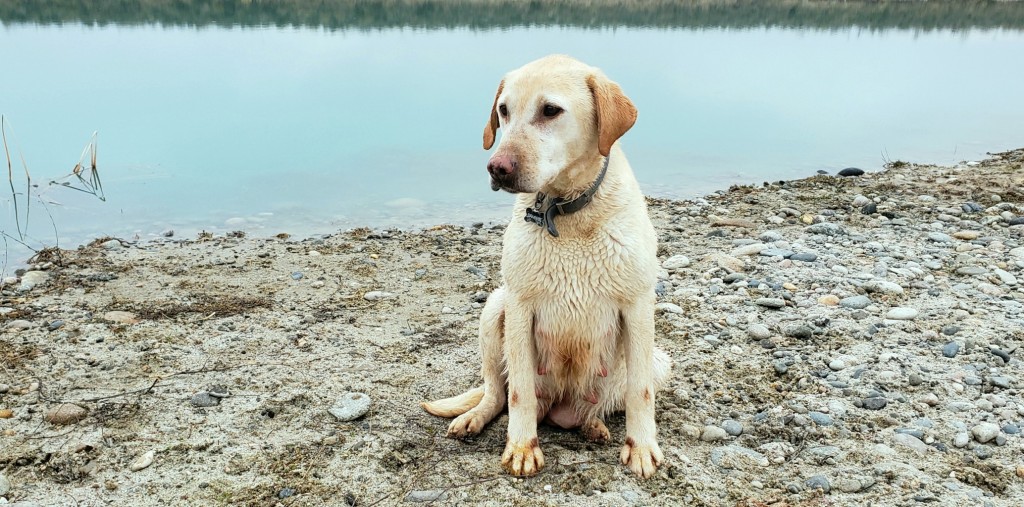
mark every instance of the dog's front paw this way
{"type": "Point", "coordinates": [467, 424]}
{"type": "Point", "coordinates": [643, 459]}
{"type": "Point", "coordinates": [523, 458]}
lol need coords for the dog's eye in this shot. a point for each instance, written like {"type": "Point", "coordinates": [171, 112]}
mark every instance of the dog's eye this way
{"type": "Point", "coordinates": [551, 111]}
{"type": "Point", "coordinates": [503, 110]}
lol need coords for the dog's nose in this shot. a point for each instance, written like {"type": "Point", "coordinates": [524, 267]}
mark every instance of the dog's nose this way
{"type": "Point", "coordinates": [501, 166]}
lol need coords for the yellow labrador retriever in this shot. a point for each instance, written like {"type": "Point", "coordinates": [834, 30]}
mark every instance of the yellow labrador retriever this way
{"type": "Point", "coordinates": [569, 337]}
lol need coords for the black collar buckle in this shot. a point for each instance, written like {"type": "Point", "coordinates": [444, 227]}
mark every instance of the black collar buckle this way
{"type": "Point", "coordinates": [545, 217]}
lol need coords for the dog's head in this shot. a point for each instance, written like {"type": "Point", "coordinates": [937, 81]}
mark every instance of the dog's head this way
{"type": "Point", "coordinates": [554, 113]}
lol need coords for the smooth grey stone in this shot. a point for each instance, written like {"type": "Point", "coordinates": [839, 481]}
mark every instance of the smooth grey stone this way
{"type": "Point", "coordinates": [804, 257]}
{"type": "Point", "coordinates": [820, 418]}
{"type": "Point", "coordinates": [855, 302]}
{"type": "Point", "coordinates": [732, 427]}
{"type": "Point", "coordinates": [950, 330]}
{"type": "Point", "coordinates": [939, 237]}
{"type": "Point", "coordinates": [876, 403]}
{"type": "Point", "coordinates": [777, 252]}
{"type": "Point", "coordinates": [851, 171]}
{"type": "Point", "coordinates": [971, 270]}
{"type": "Point", "coordinates": [759, 331]}
{"type": "Point", "coordinates": [910, 441]}
{"type": "Point", "coordinates": [1011, 429]}
{"type": "Point", "coordinates": [882, 286]}
{"type": "Point", "coordinates": [1001, 354]}
{"type": "Point", "coordinates": [961, 440]}
{"type": "Point", "coordinates": [915, 379]}
{"type": "Point", "coordinates": [203, 399]}
{"type": "Point", "coordinates": [350, 406]}
{"type": "Point", "coordinates": [713, 434]}
{"type": "Point", "coordinates": [297, 275]}
{"type": "Point", "coordinates": [818, 482]}
{"type": "Point", "coordinates": [774, 303]}
{"type": "Point", "coordinates": [985, 432]}
{"type": "Point", "coordinates": [1000, 381]}
{"type": "Point", "coordinates": [951, 349]}
{"type": "Point", "coordinates": [901, 313]}
{"type": "Point", "coordinates": [780, 366]}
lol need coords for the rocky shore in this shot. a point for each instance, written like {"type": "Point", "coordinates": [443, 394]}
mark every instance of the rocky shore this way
{"type": "Point", "coordinates": [837, 341]}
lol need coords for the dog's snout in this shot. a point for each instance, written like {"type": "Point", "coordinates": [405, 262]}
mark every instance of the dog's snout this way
{"type": "Point", "coordinates": [501, 166]}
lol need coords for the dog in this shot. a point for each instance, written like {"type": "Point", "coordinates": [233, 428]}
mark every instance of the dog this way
{"type": "Point", "coordinates": [569, 335]}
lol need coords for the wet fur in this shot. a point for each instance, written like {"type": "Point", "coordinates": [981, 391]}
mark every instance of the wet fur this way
{"type": "Point", "coordinates": [575, 313]}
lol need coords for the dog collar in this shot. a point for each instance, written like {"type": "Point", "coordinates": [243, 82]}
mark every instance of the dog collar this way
{"type": "Point", "coordinates": [545, 216]}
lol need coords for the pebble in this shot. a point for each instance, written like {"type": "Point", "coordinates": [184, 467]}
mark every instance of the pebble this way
{"type": "Point", "coordinates": [65, 413]}
{"type": "Point", "coordinates": [915, 379]}
{"type": "Point", "coordinates": [882, 286]}
{"type": "Point", "coordinates": [713, 434]}
{"type": "Point", "coordinates": [732, 427]}
{"type": "Point", "coordinates": [837, 365]}
{"type": "Point", "coordinates": [966, 235]}
{"type": "Point", "coordinates": [971, 270]}
{"type": "Point", "coordinates": [869, 209]}
{"type": "Point", "coordinates": [951, 349]}
{"type": "Point", "coordinates": [143, 461]}
{"type": "Point", "coordinates": [5, 485]}
{"type": "Point", "coordinates": [860, 200]}
{"type": "Point", "coordinates": [204, 399]}
{"type": "Point", "coordinates": [426, 495]}
{"type": "Point", "coordinates": [119, 317]}
{"type": "Point", "coordinates": [961, 440]}
{"type": "Point", "coordinates": [18, 325]}
{"type": "Point", "coordinates": [350, 406]}
{"type": "Point", "coordinates": [1006, 277]}
{"type": "Point", "coordinates": [378, 295]}
{"type": "Point", "coordinates": [819, 482]}
{"type": "Point", "coordinates": [669, 308]}
{"type": "Point", "coordinates": [759, 332]}
{"type": "Point", "coordinates": [826, 228]}
{"type": "Point", "coordinates": [732, 222]}
{"type": "Point", "coordinates": [775, 303]}
{"type": "Point", "coordinates": [855, 302]}
{"type": "Point", "coordinates": [999, 381]}
{"type": "Point", "coordinates": [820, 418]}
{"type": "Point", "coordinates": [829, 300]}
{"type": "Point", "coordinates": [875, 403]}
{"type": "Point", "coordinates": [804, 257]}
{"type": "Point", "coordinates": [297, 275]}
{"type": "Point", "coordinates": [851, 171]}
{"type": "Point", "coordinates": [1011, 429]}
{"type": "Point", "coordinates": [752, 249]}
{"type": "Point", "coordinates": [939, 237]}
{"type": "Point", "coordinates": [911, 441]}
{"type": "Point", "coordinates": [985, 432]}
{"type": "Point", "coordinates": [737, 457]}
{"type": "Point", "coordinates": [33, 278]}
{"type": "Point", "coordinates": [802, 332]}
{"type": "Point", "coordinates": [854, 485]}
{"type": "Point", "coordinates": [900, 313]}
{"type": "Point", "coordinates": [285, 492]}
{"type": "Point", "coordinates": [676, 262]}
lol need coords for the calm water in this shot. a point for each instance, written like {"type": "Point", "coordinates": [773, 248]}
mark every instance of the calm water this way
{"type": "Point", "coordinates": [308, 130]}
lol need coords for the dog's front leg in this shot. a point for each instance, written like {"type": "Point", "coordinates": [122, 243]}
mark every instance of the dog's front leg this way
{"type": "Point", "coordinates": [522, 454]}
{"type": "Point", "coordinates": [641, 452]}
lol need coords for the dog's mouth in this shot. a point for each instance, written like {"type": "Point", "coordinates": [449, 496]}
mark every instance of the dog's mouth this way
{"type": "Point", "coordinates": [509, 186]}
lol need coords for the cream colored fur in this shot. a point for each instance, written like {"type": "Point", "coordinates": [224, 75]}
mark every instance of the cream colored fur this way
{"type": "Point", "coordinates": [572, 327]}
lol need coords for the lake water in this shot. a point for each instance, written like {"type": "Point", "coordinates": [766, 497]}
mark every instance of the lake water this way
{"type": "Point", "coordinates": [303, 128]}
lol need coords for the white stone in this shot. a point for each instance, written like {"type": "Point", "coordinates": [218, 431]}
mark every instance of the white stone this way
{"type": "Point", "coordinates": [350, 406]}
{"type": "Point", "coordinates": [676, 262]}
{"type": "Point", "coordinates": [985, 432]}
{"type": "Point", "coordinates": [668, 308]}
{"type": "Point", "coordinates": [143, 461]}
{"type": "Point", "coordinates": [901, 313]}
{"type": "Point", "coordinates": [752, 249]}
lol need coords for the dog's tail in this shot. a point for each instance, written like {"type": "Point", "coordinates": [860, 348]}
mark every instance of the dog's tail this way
{"type": "Point", "coordinates": [456, 405]}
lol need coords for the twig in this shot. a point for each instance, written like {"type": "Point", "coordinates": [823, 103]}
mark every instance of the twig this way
{"type": "Point", "coordinates": [145, 390]}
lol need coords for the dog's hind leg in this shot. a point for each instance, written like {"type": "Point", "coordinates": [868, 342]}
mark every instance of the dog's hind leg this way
{"type": "Point", "coordinates": [477, 411]}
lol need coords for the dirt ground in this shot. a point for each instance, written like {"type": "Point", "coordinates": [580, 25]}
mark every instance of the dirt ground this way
{"type": "Point", "coordinates": [283, 328]}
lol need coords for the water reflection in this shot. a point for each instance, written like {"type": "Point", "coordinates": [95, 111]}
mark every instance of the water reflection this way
{"type": "Point", "coordinates": [432, 14]}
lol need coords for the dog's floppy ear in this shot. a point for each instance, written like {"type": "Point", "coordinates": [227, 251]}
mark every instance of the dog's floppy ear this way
{"type": "Point", "coordinates": [615, 112]}
{"type": "Point", "coordinates": [491, 129]}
